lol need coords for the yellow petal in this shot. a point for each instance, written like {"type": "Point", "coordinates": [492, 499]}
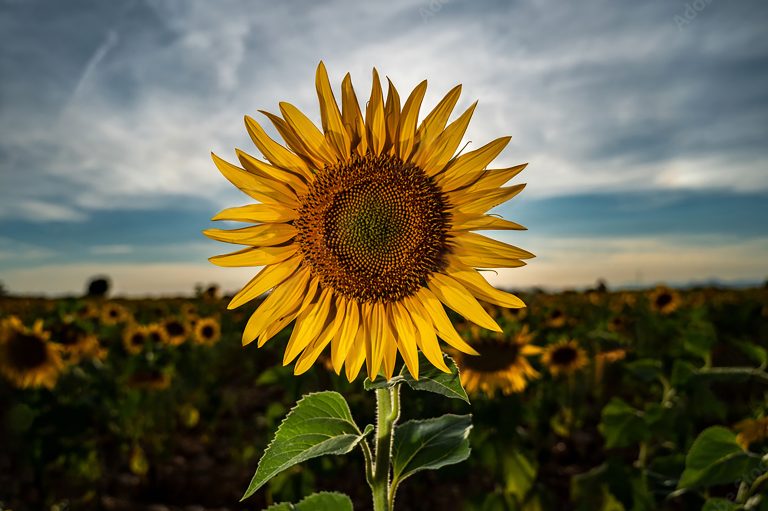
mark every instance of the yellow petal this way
{"type": "Point", "coordinates": [258, 235]}
{"type": "Point", "coordinates": [333, 125]}
{"type": "Point", "coordinates": [473, 244]}
{"type": "Point", "coordinates": [345, 337]}
{"type": "Point", "coordinates": [258, 214]}
{"type": "Point", "coordinates": [282, 180]}
{"type": "Point", "coordinates": [312, 138]}
{"type": "Point", "coordinates": [356, 355]}
{"type": "Point", "coordinates": [434, 123]}
{"type": "Point", "coordinates": [255, 256]}
{"type": "Point", "coordinates": [310, 354]}
{"type": "Point", "coordinates": [377, 340]}
{"type": "Point", "coordinates": [274, 152]}
{"type": "Point", "coordinates": [293, 140]}
{"type": "Point", "coordinates": [375, 119]}
{"type": "Point", "coordinates": [405, 333]}
{"type": "Point", "coordinates": [491, 179]}
{"type": "Point", "coordinates": [265, 190]}
{"type": "Point", "coordinates": [392, 114]}
{"type": "Point", "coordinates": [456, 296]}
{"type": "Point", "coordinates": [266, 279]}
{"type": "Point", "coordinates": [434, 157]}
{"type": "Point", "coordinates": [353, 117]}
{"type": "Point", "coordinates": [482, 200]}
{"type": "Point", "coordinates": [477, 222]}
{"type": "Point", "coordinates": [289, 314]}
{"type": "Point", "coordinates": [408, 119]}
{"type": "Point", "coordinates": [433, 309]}
{"type": "Point", "coordinates": [477, 285]}
{"type": "Point", "coordinates": [280, 300]}
{"type": "Point", "coordinates": [468, 167]}
{"type": "Point", "coordinates": [390, 346]}
{"type": "Point", "coordinates": [308, 326]}
{"type": "Point", "coordinates": [426, 339]}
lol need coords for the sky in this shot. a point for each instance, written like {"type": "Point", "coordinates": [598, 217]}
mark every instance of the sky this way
{"type": "Point", "coordinates": [645, 126]}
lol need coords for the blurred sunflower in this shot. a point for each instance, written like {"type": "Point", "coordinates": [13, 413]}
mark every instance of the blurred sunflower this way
{"type": "Point", "coordinates": [364, 229]}
{"type": "Point", "coordinates": [76, 342]}
{"type": "Point", "coordinates": [156, 333]}
{"type": "Point", "coordinates": [556, 318]}
{"type": "Point", "coordinates": [150, 379]}
{"type": "Point", "coordinates": [27, 357]}
{"type": "Point", "coordinates": [176, 331]}
{"type": "Point", "coordinates": [135, 337]}
{"type": "Point", "coordinates": [564, 357]}
{"type": "Point", "coordinates": [751, 431]}
{"type": "Point", "coordinates": [87, 310]}
{"type": "Point", "coordinates": [113, 313]}
{"type": "Point", "coordinates": [502, 365]}
{"type": "Point", "coordinates": [664, 300]}
{"type": "Point", "coordinates": [207, 331]}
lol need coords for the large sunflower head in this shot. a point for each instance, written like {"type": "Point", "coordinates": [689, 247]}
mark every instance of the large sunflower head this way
{"type": "Point", "coordinates": [365, 229]}
{"type": "Point", "coordinates": [27, 357]}
{"type": "Point", "coordinates": [564, 357]}
{"type": "Point", "coordinates": [502, 365]}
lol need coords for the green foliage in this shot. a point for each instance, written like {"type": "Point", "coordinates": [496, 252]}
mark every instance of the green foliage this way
{"type": "Point", "coordinates": [319, 424]}
{"type": "Point", "coordinates": [322, 501]}
{"type": "Point", "coordinates": [431, 379]}
{"type": "Point", "coordinates": [622, 425]}
{"type": "Point", "coordinates": [716, 458]}
{"type": "Point", "coordinates": [430, 444]}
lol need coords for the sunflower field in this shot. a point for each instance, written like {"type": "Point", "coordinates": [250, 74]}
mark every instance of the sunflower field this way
{"type": "Point", "coordinates": [596, 400]}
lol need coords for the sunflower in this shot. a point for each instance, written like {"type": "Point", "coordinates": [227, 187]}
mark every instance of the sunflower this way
{"type": "Point", "coordinates": [156, 333]}
{"type": "Point", "coordinates": [176, 331]}
{"type": "Point", "coordinates": [114, 313]}
{"type": "Point", "coordinates": [564, 357]}
{"type": "Point", "coordinates": [502, 365]}
{"type": "Point", "coordinates": [150, 379]}
{"type": "Point", "coordinates": [751, 431]}
{"type": "Point", "coordinates": [664, 300]}
{"type": "Point", "coordinates": [556, 318]}
{"type": "Point", "coordinates": [75, 341]}
{"type": "Point", "coordinates": [364, 229]}
{"type": "Point", "coordinates": [207, 331]}
{"type": "Point", "coordinates": [27, 357]}
{"type": "Point", "coordinates": [135, 337]}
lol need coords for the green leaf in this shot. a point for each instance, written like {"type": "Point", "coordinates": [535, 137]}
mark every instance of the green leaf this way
{"type": "Point", "coordinates": [621, 425]}
{"type": "Point", "coordinates": [319, 424]}
{"type": "Point", "coordinates": [720, 505]}
{"type": "Point", "coordinates": [645, 369]}
{"type": "Point", "coordinates": [430, 444]}
{"type": "Point", "coordinates": [322, 501]}
{"type": "Point", "coordinates": [753, 351]}
{"type": "Point", "coordinates": [715, 458]}
{"type": "Point", "coordinates": [430, 379]}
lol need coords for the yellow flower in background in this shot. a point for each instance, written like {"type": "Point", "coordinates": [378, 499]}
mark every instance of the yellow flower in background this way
{"type": "Point", "coordinates": [76, 343]}
{"type": "Point", "coordinates": [502, 365]}
{"type": "Point", "coordinates": [114, 313]}
{"type": "Point", "coordinates": [751, 431]}
{"type": "Point", "coordinates": [27, 357]}
{"type": "Point", "coordinates": [564, 357]}
{"type": "Point", "coordinates": [556, 318]}
{"type": "Point", "coordinates": [156, 333]}
{"type": "Point", "coordinates": [176, 331]}
{"type": "Point", "coordinates": [135, 337]}
{"type": "Point", "coordinates": [207, 331]}
{"type": "Point", "coordinates": [364, 229]}
{"type": "Point", "coordinates": [664, 300]}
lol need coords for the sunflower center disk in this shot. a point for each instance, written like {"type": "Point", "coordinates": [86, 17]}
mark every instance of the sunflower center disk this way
{"type": "Point", "coordinates": [494, 356]}
{"type": "Point", "coordinates": [27, 351]}
{"type": "Point", "coordinates": [373, 228]}
{"type": "Point", "coordinates": [564, 355]}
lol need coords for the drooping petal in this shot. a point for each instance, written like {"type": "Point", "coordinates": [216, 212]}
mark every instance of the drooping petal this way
{"type": "Point", "coordinates": [345, 337]}
{"type": "Point", "coordinates": [478, 286]}
{"type": "Point", "coordinates": [265, 280]}
{"type": "Point", "coordinates": [332, 324]}
{"type": "Point", "coordinates": [265, 190]}
{"type": "Point", "coordinates": [406, 335]}
{"type": "Point", "coordinates": [308, 325]}
{"type": "Point", "coordinates": [257, 214]}
{"type": "Point", "coordinates": [456, 296]}
{"type": "Point", "coordinates": [431, 307]}
{"type": "Point", "coordinates": [258, 235]}
{"type": "Point", "coordinates": [426, 338]}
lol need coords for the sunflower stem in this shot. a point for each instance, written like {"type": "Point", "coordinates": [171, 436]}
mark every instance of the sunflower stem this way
{"type": "Point", "coordinates": [387, 413]}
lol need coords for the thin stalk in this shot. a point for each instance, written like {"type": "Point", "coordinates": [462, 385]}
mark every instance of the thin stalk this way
{"type": "Point", "coordinates": [387, 412]}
